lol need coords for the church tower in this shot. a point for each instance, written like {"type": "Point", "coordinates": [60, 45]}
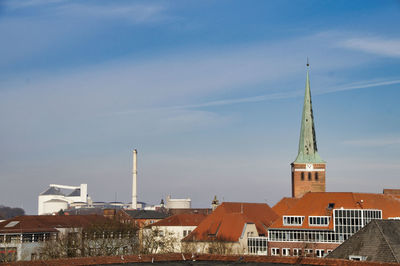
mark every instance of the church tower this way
{"type": "Point", "coordinates": [308, 170]}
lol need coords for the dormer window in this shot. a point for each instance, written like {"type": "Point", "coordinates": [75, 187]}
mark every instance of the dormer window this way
{"type": "Point", "coordinates": [318, 220]}
{"type": "Point", "coordinates": [293, 220]}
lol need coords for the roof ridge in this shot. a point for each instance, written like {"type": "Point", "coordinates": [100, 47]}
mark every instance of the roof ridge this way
{"type": "Point", "coordinates": [387, 242]}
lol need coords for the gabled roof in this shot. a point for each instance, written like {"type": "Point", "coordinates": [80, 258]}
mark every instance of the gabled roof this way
{"type": "Point", "coordinates": [47, 223]}
{"type": "Point", "coordinates": [284, 205]}
{"type": "Point", "coordinates": [227, 221]}
{"type": "Point", "coordinates": [53, 191]}
{"type": "Point", "coordinates": [146, 214]}
{"type": "Point", "coordinates": [385, 246]}
{"type": "Point", "coordinates": [317, 204]}
{"type": "Point", "coordinates": [181, 220]}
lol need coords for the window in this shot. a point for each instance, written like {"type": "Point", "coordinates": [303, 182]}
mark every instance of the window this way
{"type": "Point", "coordinates": [319, 253]}
{"type": "Point", "coordinates": [316, 176]}
{"type": "Point", "coordinates": [349, 221]}
{"type": "Point", "coordinates": [328, 251]}
{"type": "Point", "coordinates": [308, 252]}
{"type": "Point", "coordinates": [302, 176]}
{"type": "Point", "coordinates": [297, 252]}
{"type": "Point", "coordinates": [285, 251]}
{"type": "Point", "coordinates": [275, 251]}
{"type": "Point", "coordinates": [12, 224]}
{"type": "Point", "coordinates": [356, 257]}
{"type": "Point", "coordinates": [293, 220]}
{"type": "Point", "coordinates": [318, 220]}
{"type": "Point", "coordinates": [186, 232]}
{"type": "Point", "coordinates": [257, 245]}
{"type": "Point", "coordinates": [309, 175]}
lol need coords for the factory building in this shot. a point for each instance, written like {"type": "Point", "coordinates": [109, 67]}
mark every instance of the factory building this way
{"type": "Point", "coordinates": [53, 199]}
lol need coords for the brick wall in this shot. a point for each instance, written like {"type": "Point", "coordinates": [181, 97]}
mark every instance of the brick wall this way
{"type": "Point", "coordinates": [304, 181]}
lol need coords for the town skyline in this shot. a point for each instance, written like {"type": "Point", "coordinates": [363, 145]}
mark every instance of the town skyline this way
{"type": "Point", "coordinates": [210, 96]}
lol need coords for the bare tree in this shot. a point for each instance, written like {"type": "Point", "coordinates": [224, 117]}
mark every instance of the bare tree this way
{"type": "Point", "coordinates": [99, 239]}
{"type": "Point", "coordinates": [154, 240]}
{"type": "Point", "coordinates": [220, 246]}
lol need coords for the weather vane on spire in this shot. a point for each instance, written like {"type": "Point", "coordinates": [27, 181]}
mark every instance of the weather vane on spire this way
{"type": "Point", "coordinates": [308, 63]}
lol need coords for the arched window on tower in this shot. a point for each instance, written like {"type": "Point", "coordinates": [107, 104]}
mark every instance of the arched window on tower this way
{"type": "Point", "coordinates": [309, 175]}
{"type": "Point", "coordinates": [302, 176]}
{"type": "Point", "coordinates": [316, 176]}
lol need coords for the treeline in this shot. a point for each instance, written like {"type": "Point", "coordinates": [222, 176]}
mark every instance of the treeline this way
{"type": "Point", "coordinates": [8, 212]}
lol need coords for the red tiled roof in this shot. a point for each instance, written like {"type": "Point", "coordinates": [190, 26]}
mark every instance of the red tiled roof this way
{"type": "Point", "coordinates": [316, 204]}
{"type": "Point", "coordinates": [47, 223]}
{"type": "Point", "coordinates": [185, 219]}
{"type": "Point", "coordinates": [284, 204]}
{"type": "Point", "coordinates": [227, 221]}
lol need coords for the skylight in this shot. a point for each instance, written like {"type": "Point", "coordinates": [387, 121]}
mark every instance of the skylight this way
{"type": "Point", "coordinates": [12, 224]}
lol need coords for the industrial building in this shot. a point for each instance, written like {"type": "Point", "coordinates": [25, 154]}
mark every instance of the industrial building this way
{"type": "Point", "coordinates": [53, 199]}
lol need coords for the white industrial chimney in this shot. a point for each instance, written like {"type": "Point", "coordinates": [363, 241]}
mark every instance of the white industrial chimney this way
{"type": "Point", "coordinates": [134, 183]}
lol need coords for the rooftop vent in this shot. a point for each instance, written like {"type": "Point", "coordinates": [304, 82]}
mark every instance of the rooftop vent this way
{"type": "Point", "coordinates": [331, 206]}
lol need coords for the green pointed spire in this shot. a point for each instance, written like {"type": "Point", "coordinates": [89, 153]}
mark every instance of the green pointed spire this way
{"type": "Point", "coordinates": [308, 151]}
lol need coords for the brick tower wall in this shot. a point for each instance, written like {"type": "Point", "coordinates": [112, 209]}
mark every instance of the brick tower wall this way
{"type": "Point", "coordinates": [309, 181]}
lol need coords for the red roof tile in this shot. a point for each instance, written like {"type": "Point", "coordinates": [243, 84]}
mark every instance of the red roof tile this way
{"type": "Point", "coordinates": [185, 219]}
{"type": "Point", "coordinates": [284, 204]}
{"type": "Point", "coordinates": [227, 221]}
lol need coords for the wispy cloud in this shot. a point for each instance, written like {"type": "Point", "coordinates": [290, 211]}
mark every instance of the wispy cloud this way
{"type": "Point", "coordinates": [373, 143]}
{"type": "Point", "coordinates": [30, 3]}
{"type": "Point", "coordinates": [359, 85]}
{"type": "Point", "coordinates": [136, 13]}
{"type": "Point", "coordinates": [267, 97]}
{"type": "Point", "coordinates": [379, 46]}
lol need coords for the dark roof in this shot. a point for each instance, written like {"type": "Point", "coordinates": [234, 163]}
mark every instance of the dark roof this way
{"type": "Point", "coordinates": [75, 193]}
{"type": "Point", "coordinates": [84, 211]}
{"type": "Point", "coordinates": [377, 241]}
{"type": "Point", "coordinates": [146, 214]}
{"type": "Point", "coordinates": [190, 210]}
{"type": "Point", "coordinates": [53, 191]}
{"type": "Point", "coordinates": [47, 223]}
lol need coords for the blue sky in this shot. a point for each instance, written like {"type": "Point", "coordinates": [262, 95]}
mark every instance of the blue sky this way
{"type": "Point", "coordinates": [209, 92]}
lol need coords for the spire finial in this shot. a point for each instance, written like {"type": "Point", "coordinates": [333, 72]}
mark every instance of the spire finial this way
{"type": "Point", "coordinates": [308, 63]}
